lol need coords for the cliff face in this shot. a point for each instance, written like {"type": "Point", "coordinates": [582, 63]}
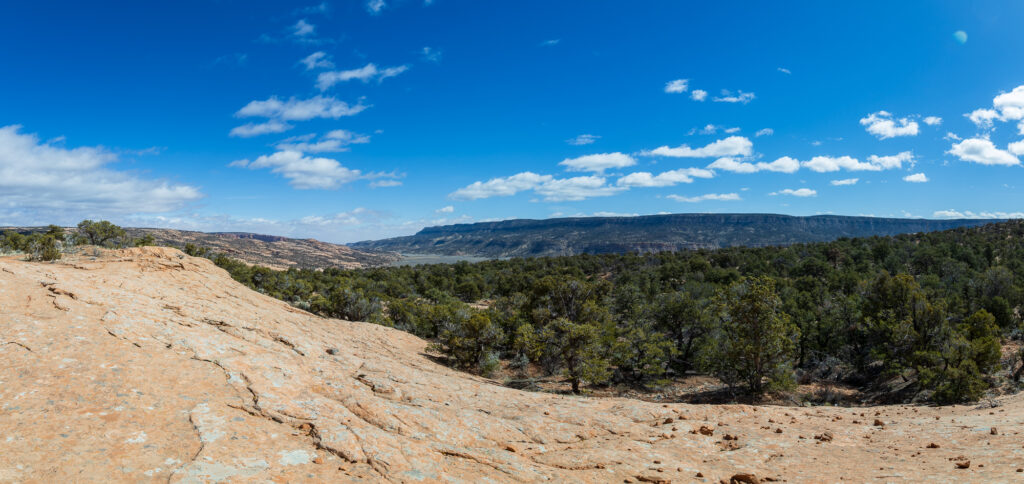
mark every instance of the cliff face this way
{"type": "Point", "coordinates": [146, 365]}
{"type": "Point", "coordinates": [652, 233]}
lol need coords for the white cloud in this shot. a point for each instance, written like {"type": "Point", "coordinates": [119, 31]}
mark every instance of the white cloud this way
{"type": "Point", "coordinates": [707, 129]}
{"type": "Point", "coordinates": [299, 109]}
{"type": "Point", "coordinates": [1007, 106]}
{"type": "Point", "coordinates": [366, 73]}
{"type": "Point", "coordinates": [42, 182]}
{"type": "Point", "coordinates": [916, 178]}
{"type": "Point", "coordinates": [764, 132]}
{"type": "Point", "coordinates": [576, 189]}
{"type": "Point", "coordinates": [784, 70]}
{"type": "Point", "coordinates": [552, 189]}
{"type": "Point", "coordinates": [249, 130]}
{"type": "Point", "coordinates": [892, 161]}
{"type": "Point", "coordinates": [739, 97]}
{"type": "Point", "coordinates": [317, 60]}
{"type": "Point", "coordinates": [583, 139]}
{"type": "Point", "coordinates": [677, 86]}
{"type": "Point", "coordinates": [933, 120]}
{"type": "Point", "coordinates": [448, 209]}
{"type": "Point", "coordinates": [664, 179]}
{"type": "Point", "coordinates": [699, 95]}
{"type": "Point", "coordinates": [731, 146]}
{"type": "Point", "coordinates": [824, 164]}
{"type": "Point", "coordinates": [500, 187]}
{"type": "Point", "coordinates": [1016, 148]}
{"type": "Point", "coordinates": [385, 183]}
{"type": "Point", "coordinates": [598, 163]}
{"type": "Point", "coordinates": [334, 141]}
{"type": "Point", "coordinates": [303, 172]}
{"type": "Point", "coordinates": [784, 164]}
{"type": "Point", "coordinates": [550, 42]}
{"type": "Point", "coordinates": [302, 28]}
{"type": "Point", "coordinates": [732, 130]}
{"type": "Point", "coordinates": [983, 117]}
{"type": "Point", "coordinates": [884, 126]}
{"type": "Point", "coordinates": [845, 182]}
{"type": "Point", "coordinates": [375, 6]}
{"type": "Point", "coordinates": [969, 214]}
{"type": "Point", "coordinates": [800, 192]}
{"type": "Point", "coordinates": [951, 136]}
{"type": "Point", "coordinates": [710, 196]}
{"type": "Point", "coordinates": [980, 150]}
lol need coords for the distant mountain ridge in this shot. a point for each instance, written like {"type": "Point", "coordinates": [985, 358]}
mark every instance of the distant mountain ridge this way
{"type": "Point", "coordinates": [272, 251]}
{"type": "Point", "coordinates": [648, 233]}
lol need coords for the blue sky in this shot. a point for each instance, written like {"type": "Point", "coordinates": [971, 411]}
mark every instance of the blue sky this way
{"type": "Point", "coordinates": [352, 120]}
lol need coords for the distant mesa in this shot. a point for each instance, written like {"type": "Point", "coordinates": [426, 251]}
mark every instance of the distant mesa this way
{"type": "Point", "coordinates": [649, 233]}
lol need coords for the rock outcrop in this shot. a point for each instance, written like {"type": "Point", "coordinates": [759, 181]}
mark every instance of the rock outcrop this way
{"type": "Point", "coordinates": [145, 365]}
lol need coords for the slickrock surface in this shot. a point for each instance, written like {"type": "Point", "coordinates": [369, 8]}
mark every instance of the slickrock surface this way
{"type": "Point", "coordinates": [149, 365]}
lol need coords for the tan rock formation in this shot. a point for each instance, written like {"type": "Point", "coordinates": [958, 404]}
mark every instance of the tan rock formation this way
{"type": "Point", "coordinates": [147, 365]}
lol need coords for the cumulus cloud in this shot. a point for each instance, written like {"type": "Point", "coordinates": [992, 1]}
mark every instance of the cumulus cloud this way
{"type": "Point", "coordinates": [980, 150]}
{"type": "Point", "coordinates": [300, 109]}
{"type": "Point", "coordinates": [738, 97]}
{"type": "Point", "coordinates": [249, 130]}
{"type": "Point", "coordinates": [884, 126]}
{"type": "Point", "coordinates": [303, 172]}
{"type": "Point", "coordinates": [677, 86]}
{"type": "Point", "coordinates": [367, 73]}
{"type": "Point", "coordinates": [845, 182]}
{"type": "Point", "coordinates": [1007, 106]}
{"type": "Point", "coordinates": [598, 163]}
{"type": "Point", "coordinates": [1016, 148]}
{"type": "Point", "coordinates": [44, 183]}
{"type": "Point", "coordinates": [916, 178]}
{"type": "Point", "coordinates": [825, 164]}
{"type": "Point", "coordinates": [448, 209]}
{"type": "Point", "coordinates": [576, 189]}
{"type": "Point", "coordinates": [800, 192]}
{"type": "Point", "coordinates": [784, 164]}
{"type": "Point", "coordinates": [699, 95]}
{"type": "Point", "coordinates": [317, 60]}
{"type": "Point", "coordinates": [893, 161]}
{"type": "Point", "coordinates": [664, 179]}
{"type": "Point", "coordinates": [583, 139]}
{"type": "Point", "coordinates": [710, 196]}
{"type": "Point", "coordinates": [500, 187]}
{"type": "Point", "coordinates": [333, 141]}
{"type": "Point", "coordinates": [550, 188]}
{"type": "Point", "coordinates": [933, 120]}
{"type": "Point", "coordinates": [764, 132]}
{"type": "Point", "coordinates": [731, 146]}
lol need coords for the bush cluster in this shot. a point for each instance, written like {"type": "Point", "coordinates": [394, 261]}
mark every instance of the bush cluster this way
{"type": "Point", "coordinates": [925, 310]}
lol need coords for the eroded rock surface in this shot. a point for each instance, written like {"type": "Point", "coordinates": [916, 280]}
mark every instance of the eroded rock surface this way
{"type": "Point", "coordinates": [146, 365]}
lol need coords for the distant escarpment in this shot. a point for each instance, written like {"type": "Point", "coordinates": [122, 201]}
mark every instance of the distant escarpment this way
{"type": "Point", "coordinates": [650, 233]}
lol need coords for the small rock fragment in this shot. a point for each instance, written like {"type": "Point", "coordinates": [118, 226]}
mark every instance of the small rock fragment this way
{"type": "Point", "coordinates": [744, 479]}
{"type": "Point", "coordinates": [963, 464]}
